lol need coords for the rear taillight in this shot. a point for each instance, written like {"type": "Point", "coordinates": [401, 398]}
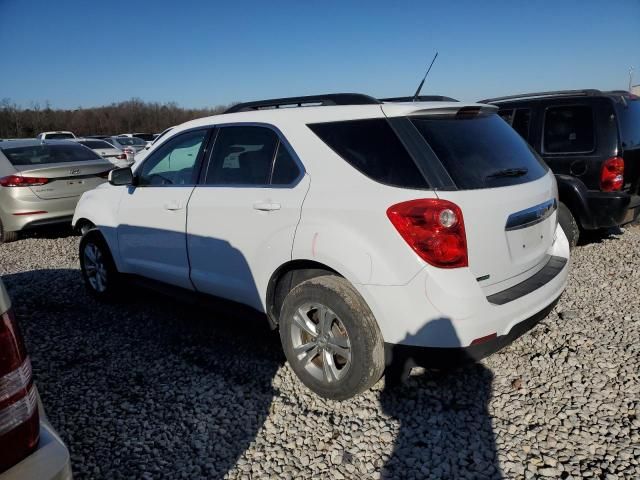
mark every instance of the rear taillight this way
{"type": "Point", "coordinates": [612, 175]}
{"type": "Point", "coordinates": [19, 181]}
{"type": "Point", "coordinates": [122, 156]}
{"type": "Point", "coordinates": [19, 423]}
{"type": "Point", "coordinates": [434, 229]}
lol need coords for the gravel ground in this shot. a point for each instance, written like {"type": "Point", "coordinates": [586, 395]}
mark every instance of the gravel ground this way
{"type": "Point", "coordinates": [151, 388]}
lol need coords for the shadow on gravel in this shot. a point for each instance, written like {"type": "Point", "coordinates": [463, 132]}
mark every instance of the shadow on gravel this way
{"type": "Point", "coordinates": [445, 428]}
{"type": "Point", "coordinates": [150, 388]}
{"type": "Point", "coordinates": [57, 231]}
{"type": "Point", "coordinates": [588, 237]}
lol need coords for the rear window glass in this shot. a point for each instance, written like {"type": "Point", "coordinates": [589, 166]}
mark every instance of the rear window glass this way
{"type": "Point", "coordinates": [58, 136]}
{"type": "Point", "coordinates": [372, 147]}
{"type": "Point", "coordinates": [96, 144]}
{"type": "Point", "coordinates": [130, 141]}
{"type": "Point", "coordinates": [147, 137]}
{"type": "Point", "coordinates": [46, 153]}
{"type": "Point", "coordinates": [569, 129]}
{"type": "Point", "coordinates": [629, 119]}
{"type": "Point", "coordinates": [481, 151]}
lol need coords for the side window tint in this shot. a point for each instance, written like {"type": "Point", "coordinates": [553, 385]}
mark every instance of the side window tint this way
{"type": "Point", "coordinates": [285, 169]}
{"type": "Point", "coordinates": [506, 115]}
{"type": "Point", "coordinates": [521, 122]}
{"type": "Point", "coordinates": [242, 156]}
{"type": "Point", "coordinates": [569, 129]}
{"type": "Point", "coordinates": [173, 163]}
{"type": "Point", "coordinates": [372, 147]}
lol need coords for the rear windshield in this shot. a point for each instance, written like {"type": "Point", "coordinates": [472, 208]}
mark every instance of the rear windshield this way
{"type": "Point", "coordinates": [58, 136]}
{"type": "Point", "coordinates": [629, 118]}
{"type": "Point", "coordinates": [47, 153]}
{"type": "Point", "coordinates": [373, 148]}
{"type": "Point", "coordinates": [96, 144]}
{"type": "Point", "coordinates": [130, 141]}
{"type": "Point", "coordinates": [481, 151]}
{"type": "Point", "coordinates": [147, 137]}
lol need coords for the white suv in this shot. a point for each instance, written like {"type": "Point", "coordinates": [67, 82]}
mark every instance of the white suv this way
{"type": "Point", "coordinates": [362, 229]}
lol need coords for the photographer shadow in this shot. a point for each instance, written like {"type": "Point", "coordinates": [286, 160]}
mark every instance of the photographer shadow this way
{"type": "Point", "coordinates": [445, 430]}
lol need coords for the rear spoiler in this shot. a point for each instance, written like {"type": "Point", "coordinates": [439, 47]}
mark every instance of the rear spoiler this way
{"type": "Point", "coordinates": [452, 110]}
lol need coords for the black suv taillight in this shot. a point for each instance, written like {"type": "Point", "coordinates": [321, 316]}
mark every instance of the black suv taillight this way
{"type": "Point", "coordinates": [612, 175]}
{"type": "Point", "coordinates": [19, 422]}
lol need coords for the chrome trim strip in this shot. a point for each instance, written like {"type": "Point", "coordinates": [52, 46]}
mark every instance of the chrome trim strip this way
{"type": "Point", "coordinates": [531, 216]}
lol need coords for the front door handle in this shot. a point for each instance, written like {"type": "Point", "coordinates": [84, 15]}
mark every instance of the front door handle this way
{"type": "Point", "coordinates": [172, 205]}
{"type": "Point", "coordinates": [266, 206]}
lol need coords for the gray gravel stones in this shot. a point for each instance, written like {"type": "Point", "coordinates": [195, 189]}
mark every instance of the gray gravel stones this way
{"type": "Point", "coordinates": [151, 388]}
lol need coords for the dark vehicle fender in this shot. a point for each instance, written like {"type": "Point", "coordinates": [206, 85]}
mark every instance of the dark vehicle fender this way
{"type": "Point", "coordinates": [573, 193]}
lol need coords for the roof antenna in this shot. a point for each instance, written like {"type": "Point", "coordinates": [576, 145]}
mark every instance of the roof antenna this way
{"type": "Point", "coordinates": [417, 94]}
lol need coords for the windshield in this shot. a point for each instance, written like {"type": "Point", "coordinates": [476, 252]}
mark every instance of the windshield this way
{"type": "Point", "coordinates": [481, 151]}
{"type": "Point", "coordinates": [45, 154]}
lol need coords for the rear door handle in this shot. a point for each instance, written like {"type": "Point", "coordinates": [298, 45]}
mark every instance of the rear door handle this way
{"type": "Point", "coordinates": [172, 205]}
{"type": "Point", "coordinates": [266, 206]}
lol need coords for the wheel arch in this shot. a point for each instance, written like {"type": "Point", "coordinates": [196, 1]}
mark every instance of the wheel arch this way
{"type": "Point", "coordinates": [285, 278]}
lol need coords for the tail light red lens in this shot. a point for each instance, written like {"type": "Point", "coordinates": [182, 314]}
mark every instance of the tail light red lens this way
{"type": "Point", "coordinates": [122, 156]}
{"type": "Point", "coordinates": [434, 229]}
{"type": "Point", "coordinates": [19, 181]}
{"type": "Point", "coordinates": [19, 422]}
{"type": "Point", "coordinates": [612, 175]}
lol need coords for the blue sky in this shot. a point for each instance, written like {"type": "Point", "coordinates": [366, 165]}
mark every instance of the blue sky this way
{"type": "Point", "coordinates": [74, 53]}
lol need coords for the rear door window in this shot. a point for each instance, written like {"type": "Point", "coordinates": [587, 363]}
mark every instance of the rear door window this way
{"type": "Point", "coordinates": [373, 148]}
{"type": "Point", "coordinates": [480, 151]}
{"type": "Point", "coordinates": [46, 153]}
{"type": "Point", "coordinates": [569, 129]}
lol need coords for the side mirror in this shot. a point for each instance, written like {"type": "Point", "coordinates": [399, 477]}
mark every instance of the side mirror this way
{"type": "Point", "coordinates": [120, 176]}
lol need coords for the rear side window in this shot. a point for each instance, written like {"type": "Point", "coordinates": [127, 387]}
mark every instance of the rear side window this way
{"type": "Point", "coordinates": [481, 151]}
{"type": "Point", "coordinates": [629, 119]}
{"type": "Point", "coordinates": [569, 129]}
{"type": "Point", "coordinates": [372, 147]}
{"type": "Point", "coordinates": [285, 169]}
{"type": "Point", "coordinates": [45, 154]}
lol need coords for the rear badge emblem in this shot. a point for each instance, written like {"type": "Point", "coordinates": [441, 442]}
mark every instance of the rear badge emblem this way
{"type": "Point", "coordinates": [74, 171]}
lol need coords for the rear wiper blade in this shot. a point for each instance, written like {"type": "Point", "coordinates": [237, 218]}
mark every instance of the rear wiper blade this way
{"type": "Point", "coordinates": [509, 172]}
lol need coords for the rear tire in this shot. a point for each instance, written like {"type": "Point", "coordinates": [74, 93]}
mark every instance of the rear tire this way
{"type": "Point", "coordinates": [6, 237]}
{"type": "Point", "coordinates": [101, 278]}
{"type": "Point", "coordinates": [569, 225]}
{"type": "Point", "coordinates": [330, 338]}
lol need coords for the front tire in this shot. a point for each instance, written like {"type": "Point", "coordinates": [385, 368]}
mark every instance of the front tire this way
{"type": "Point", "coordinates": [569, 225]}
{"type": "Point", "coordinates": [99, 272]}
{"type": "Point", "coordinates": [330, 338]}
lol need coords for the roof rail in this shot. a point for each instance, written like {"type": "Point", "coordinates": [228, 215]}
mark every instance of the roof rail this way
{"type": "Point", "coordinates": [568, 93]}
{"type": "Point", "coordinates": [308, 101]}
{"type": "Point", "coordinates": [420, 98]}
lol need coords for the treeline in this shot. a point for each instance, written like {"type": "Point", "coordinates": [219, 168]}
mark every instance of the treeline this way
{"type": "Point", "coordinates": [124, 117]}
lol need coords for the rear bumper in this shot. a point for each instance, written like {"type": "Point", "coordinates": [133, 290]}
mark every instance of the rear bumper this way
{"type": "Point", "coordinates": [609, 209]}
{"type": "Point", "coordinates": [448, 309]}
{"type": "Point", "coordinates": [57, 211]}
{"type": "Point", "coordinates": [432, 357]}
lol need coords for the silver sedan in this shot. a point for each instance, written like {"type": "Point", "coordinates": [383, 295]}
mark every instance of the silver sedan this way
{"type": "Point", "coordinates": [42, 181]}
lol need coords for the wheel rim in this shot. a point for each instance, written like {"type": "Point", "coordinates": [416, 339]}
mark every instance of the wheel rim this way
{"type": "Point", "coordinates": [321, 343]}
{"type": "Point", "coordinates": [94, 267]}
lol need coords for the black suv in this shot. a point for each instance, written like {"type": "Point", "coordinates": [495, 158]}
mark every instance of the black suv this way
{"type": "Point", "coordinates": [591, 141]}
